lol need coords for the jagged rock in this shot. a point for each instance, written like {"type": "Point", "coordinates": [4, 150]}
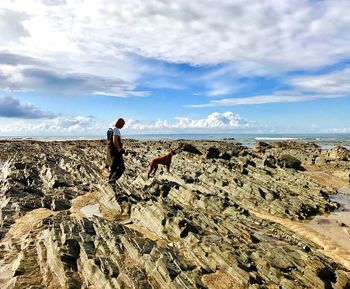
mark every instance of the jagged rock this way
{"type": "Point", "coordinates": [235, 150]}
{"type": "Point", "coordinates": [197, 226]}
{"type": "Point", "coordinates": [20, 166]}
{"type": "Point", "coordinates": [287, 145]}
{"type": "Point", "coordinates": [188, 179]}
{"type": "Point", "coordinates": [213, 153]}
{"type": "Point", "coordinates": [261, 147]}
{"type": "Point", "coordinates": [289, 162]}
{"type": "Point", "coordinates": [249, 162]}
{"type": "Point", "coordinates": [190, 148]}
{"type": "Point", "coordinates": [60, 204]}
{"type": "Point", "coordinates": [225, 156]}
{"type": "Point", "coordinates": [270, 162]}
{"type": "Point", "coordinates": [114, 202]}
{"type": "Point", "coordinates": [339, 153]}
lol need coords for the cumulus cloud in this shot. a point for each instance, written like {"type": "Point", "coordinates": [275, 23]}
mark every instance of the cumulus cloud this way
{"type": "Point", "coordinates": [61, 125]}
{"type": "Point", "coordinates": [89, 125]}
{"type": "Point", "coordinates": [214, 122]}
{"type": "Point", "coordinates": [31, 120]}
{"type": "Point", "coordinates": [11, 107]}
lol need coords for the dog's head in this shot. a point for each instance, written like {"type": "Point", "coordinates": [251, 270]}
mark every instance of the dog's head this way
{"type": "Point", "coordinates": [173, 152]}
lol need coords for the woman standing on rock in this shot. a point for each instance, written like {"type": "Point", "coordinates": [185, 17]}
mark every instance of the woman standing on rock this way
{"type": "Point", "coordinates": [116, 151]}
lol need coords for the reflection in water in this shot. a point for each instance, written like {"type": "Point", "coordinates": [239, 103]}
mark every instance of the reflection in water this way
{"type": "Point", "coordinates": [322, 222]}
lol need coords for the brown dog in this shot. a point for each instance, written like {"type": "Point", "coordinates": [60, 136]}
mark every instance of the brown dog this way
{"type": "Point", "coordinates": [164, 160]}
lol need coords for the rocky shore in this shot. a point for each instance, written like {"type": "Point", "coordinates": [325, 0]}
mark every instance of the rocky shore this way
{"type": "Point", "coordinates": [224, 217]}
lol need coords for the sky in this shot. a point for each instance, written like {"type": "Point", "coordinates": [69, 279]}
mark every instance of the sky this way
{"type": "Point", "coordinates": [72, 67]}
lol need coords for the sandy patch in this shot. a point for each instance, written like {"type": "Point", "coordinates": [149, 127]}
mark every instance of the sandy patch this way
{"type": "Point", "coordinates": [25, 224]}
{"type": "Point", "coordinates": [220, 280]}
{"type": "Point", "coordinates": [335, 225]}
{"type": "Point", "coordinates": [81, 202]}
{"type": "Point", "coordinates": [331, 248]}
{"type": "Point", "coordinates": [329, 226]}
{"type": "Point", "coordinates": [326, 178]}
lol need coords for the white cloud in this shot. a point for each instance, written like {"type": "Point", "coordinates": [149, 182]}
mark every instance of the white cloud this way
{"type": "Point", "coordinates": [10, 107]}
{"type": "Point", "coordinates": [11, 26]}
{"type": "Point", "coordinates": [27, 119]}
{"type": "Point", "coordinates": [330, 83]}
{"type": "Point", "coordinates": [90, 126]}
{"type": "Point", "coordinates": [54, 2]}
{"type": "Point", "coordinates": [278, 34]}
{"type": "Point", "coordinates": [218, 88]}
{"type": "Point", "coordinates": [27, 76]}
{"type": "Point", "coordinates": [264, 99]}
{"type": "Point", "coordinates": [90, 47]}
{"type": "Point", "coordinates": [303, 88]}
{"type": "Point", "coordinates": [62, 125]}
{"type": "Point", "coordinates": [214, 122]}
{"type": "Point", "coordinates": [339, 130]}
{"type": "Point", "coordinates": [53, 46]}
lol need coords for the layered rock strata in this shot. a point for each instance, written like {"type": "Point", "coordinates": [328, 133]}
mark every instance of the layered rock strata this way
{"type": "Point", "coordinates": [224, 217]}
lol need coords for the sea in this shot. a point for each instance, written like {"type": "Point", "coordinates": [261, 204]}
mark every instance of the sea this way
{"type": "Point", "coordinates": [325, 141]}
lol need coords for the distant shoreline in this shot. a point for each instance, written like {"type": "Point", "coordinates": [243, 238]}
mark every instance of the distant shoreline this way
{"type": "Point", "coordinates": [324, 141]}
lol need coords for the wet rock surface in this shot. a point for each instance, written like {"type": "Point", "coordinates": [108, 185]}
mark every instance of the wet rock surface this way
{"type": "Point", "coordinates": [212, 222]}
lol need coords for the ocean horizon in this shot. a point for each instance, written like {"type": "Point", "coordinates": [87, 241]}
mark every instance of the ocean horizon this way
{"type": "Point", "coordinates": [324, 140]}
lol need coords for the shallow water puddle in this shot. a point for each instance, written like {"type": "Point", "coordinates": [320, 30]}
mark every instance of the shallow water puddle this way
{"type": "Point", "coordinates": [343, 212]}
{"type": "Point", "coordinates": [344, 190]}
{"type": "Point", "coordinates": [91, 210]}
{"type": "Point", "coordinates": [337, 224]}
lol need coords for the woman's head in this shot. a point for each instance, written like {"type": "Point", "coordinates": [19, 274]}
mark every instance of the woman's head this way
{"type": "Point", "coordinates": [119, 123]}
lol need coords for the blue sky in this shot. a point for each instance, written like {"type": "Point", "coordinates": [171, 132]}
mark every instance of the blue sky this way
{"type": "Point", "coordinates": [71, 67]}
